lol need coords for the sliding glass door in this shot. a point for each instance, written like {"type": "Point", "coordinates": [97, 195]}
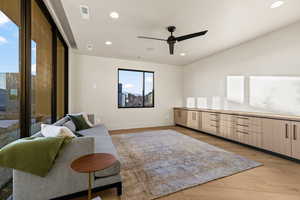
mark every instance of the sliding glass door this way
{"type": "Point", "coordinates": [9, 77]}
{"type": "Point", "coordinates": [60, 80]}
{"type": "Point", "coordinates": [41, 68]}
{"type": "Point", "coordinates": [33, 74]}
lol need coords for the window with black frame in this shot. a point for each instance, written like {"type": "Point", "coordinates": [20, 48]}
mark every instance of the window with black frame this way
{"type": "Point", "coordinates": [135, 89]}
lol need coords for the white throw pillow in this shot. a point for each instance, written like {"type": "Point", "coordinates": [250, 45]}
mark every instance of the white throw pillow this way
{"type": "Point", "coordinates": [56, 131]}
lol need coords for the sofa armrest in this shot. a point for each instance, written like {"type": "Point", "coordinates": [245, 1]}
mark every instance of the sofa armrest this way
{"type": "Point", "coordinates": [61, 179]}
{"type": "Point", "coordinates": [76, 148]}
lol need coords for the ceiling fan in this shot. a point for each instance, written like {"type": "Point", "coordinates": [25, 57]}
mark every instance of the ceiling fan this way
{"type": "Point", "coordinates": [172, 40]}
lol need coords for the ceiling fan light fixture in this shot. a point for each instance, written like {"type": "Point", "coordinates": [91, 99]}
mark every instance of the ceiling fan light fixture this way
{"type": "Point", "coordinates": [114, 15]}
{"type": "Point", "coordinates": [182, 54]}
{"type": "Point", "coordinates": [277, 4]}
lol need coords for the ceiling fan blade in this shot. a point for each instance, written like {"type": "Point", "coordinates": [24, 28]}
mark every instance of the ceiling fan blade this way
{"type": "Point", "coordinates": [151, 38]}
{"type": "Point", "coordinates": [189, 36]}
{"type": "Point", "coordinates": [171, 48]}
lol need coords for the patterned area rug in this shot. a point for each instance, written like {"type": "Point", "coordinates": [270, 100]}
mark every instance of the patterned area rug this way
{"type": "Point", "coordinates": [159, 163]}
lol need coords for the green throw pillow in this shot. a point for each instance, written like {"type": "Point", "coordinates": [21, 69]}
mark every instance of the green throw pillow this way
{"type": "Point", "coordinates": [79, 122]}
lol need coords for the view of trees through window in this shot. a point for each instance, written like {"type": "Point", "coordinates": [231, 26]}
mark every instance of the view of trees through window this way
{"type": "Point", "coordinates": [135, 89]}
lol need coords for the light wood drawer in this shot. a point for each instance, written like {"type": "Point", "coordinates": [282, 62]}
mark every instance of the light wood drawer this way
{"type": "Point", "coordinates": [225, 117]}
{"type": "Point", "coordinates": [243, 120]}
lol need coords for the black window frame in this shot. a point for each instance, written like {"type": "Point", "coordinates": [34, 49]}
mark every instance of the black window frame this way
{"type": "Point", "coordinates": [142, 71]}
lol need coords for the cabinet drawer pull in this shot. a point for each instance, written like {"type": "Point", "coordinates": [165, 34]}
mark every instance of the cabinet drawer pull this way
{"type": "Point", "coordinates": [214, 126]}
{"type": "Point", "coordinates": [243, 132]}
{"type": "Point", "coordinates": [242, 125]}
{"type": "Point", "coordinates": [214, 120]}
{"type": "Point", "coordinates": [243, 118]}
{"type": "Point", "coordinates": [286, 131]}
{"type": "Point", "coordinates": [295, 132]}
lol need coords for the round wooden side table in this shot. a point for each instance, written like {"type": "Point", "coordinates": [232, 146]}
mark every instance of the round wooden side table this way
{"type": "Point", "coordinates": [92, 163]}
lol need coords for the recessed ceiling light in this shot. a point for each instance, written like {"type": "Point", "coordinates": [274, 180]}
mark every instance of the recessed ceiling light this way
{"type": "Point", "coordinates": [182, 54]}
{"type": "Point", "coordinates": [108, 43]}
{"type": "Point", "coordinates": [114, 15]}
{"type": "Point", "coordinates": [277, 4]}
{"type": "Point", "coordinates": [84, 11]}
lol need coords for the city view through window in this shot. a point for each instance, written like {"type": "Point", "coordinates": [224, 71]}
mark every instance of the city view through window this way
{"type": "Point", "coordinates": [9, 86]}
{"type": "Point", "coordinates": [135, 89]}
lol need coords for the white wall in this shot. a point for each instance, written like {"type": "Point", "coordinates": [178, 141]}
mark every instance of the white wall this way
{"type": "Point", "coordinates": [87, 71]}
{"type": "Point", "coordinates": [275, 54]}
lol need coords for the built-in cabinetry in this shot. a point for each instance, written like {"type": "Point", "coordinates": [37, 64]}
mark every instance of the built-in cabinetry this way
{"type": "Point", "coordinates": [276, 135]}
{"type": "Point", "coordinates": [282, 137]}
{"type": "Point", "coordinates": [210, 122]}
{"type": "Point", "coordinates": [180, 117]}
{"type": "Point", "coordinates": [194, 119]}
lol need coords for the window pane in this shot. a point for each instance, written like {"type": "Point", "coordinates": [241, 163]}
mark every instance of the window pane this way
{"type": "Point", "coordinates": [60, 79]}
{"type": "Point", "coordinates": [149, 89]}
{"type": "Point", "coordinates": [9, 82]}
{"type": "Point", "coordinates": [130, 89]}
{"type": "Point", "coordinates": [277, 94]}
{"type": "Point", "coordinates": [235, 88]}
{"type": "Point", "coordinates": [41, 72]}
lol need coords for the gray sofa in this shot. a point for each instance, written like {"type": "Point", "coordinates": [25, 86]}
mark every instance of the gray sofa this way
{"type": "Point", "coordinates": [62, 181]}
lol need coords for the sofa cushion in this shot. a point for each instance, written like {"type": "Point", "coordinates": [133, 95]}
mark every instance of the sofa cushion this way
{"type": "Point", "coordinates": [70, 125]}
{"type": "Point", "coordinates": [97, 130]}
{"type": "Point", "coordinates": [103, 143]}
{"type": "Point", "coordinates": [113, 170]}
{"type": "Point", "coordinates": [61, 121]}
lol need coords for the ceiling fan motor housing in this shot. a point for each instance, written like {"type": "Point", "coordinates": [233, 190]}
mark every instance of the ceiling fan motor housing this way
{"type": "Point", "coordinates": [171, 29]}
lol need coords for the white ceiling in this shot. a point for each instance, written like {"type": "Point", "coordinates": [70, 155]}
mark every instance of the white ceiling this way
{"type": "Point", "coordinates": [230, 22]}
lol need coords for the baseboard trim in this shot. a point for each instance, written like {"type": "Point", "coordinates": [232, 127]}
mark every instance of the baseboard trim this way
{"type": "Point", "coordinates": [246, 145]}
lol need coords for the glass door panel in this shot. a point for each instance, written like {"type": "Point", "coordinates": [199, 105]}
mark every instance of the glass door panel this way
{"type": "Point", "coordinates": [60, 80]}
{"type": "Point", "coordinates": [41, 70]}
{"type": "Point", "coordinates": [9, 82]}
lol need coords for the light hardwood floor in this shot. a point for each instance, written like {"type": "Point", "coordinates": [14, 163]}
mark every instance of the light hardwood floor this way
{"type": "Point", "coordinates": [278, 179]}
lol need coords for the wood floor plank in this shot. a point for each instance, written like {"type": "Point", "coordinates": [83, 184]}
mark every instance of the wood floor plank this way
{"type": "Point", "coordinates": [278, 179]}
